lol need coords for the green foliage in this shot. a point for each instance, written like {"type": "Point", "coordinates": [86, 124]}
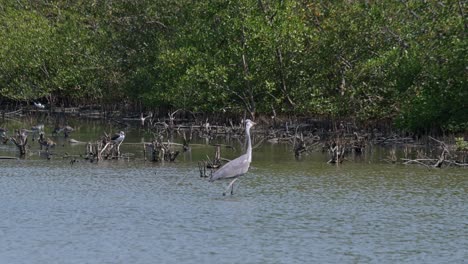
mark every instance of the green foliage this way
{"type": "Point", "coordinates": [27, 45]}
{"type": "Point", "coordinates": [461, 144]}
{"type": "Point", "coordinates": [370, 60]}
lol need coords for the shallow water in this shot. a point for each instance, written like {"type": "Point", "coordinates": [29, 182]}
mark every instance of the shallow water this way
{"type": "Point", "coordinates": [283, 211]}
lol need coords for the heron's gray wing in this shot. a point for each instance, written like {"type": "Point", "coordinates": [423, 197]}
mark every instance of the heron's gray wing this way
{"type": "Point", "coordinates": [234, 168]}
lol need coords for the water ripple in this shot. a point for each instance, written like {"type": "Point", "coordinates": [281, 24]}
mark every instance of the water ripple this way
{"type": "Point", "coordinates": [127, 213]}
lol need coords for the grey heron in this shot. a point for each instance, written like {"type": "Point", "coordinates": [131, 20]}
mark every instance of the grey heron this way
{"type": "Point", "coordinates": [236, 167]}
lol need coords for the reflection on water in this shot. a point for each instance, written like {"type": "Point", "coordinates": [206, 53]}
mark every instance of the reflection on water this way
{"type": "Point", "coordinates": [284, 210]}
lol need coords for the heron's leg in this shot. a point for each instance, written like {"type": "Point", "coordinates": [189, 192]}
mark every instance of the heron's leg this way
{"type": "Point", "coordinates": [230, 186]}
{"type": "Point", "coordinates": [232, 189]}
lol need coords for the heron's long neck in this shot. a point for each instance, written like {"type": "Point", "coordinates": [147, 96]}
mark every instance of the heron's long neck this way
{"type": "Point", "coordinates": [249, 144]}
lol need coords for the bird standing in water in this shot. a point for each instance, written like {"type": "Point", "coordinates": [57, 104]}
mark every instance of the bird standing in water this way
{"type": "Point", "coordinates": [236, 167]}
{"type": "Point", "coordinates": [117, 138]}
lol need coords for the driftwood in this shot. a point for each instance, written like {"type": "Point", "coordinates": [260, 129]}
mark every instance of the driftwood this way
{"type": "Point", "coordinates": [20, 140]}
{"type": "Point", "coordinates": [7, 158]}
{"type": "Point", "coordinates": [299, 146]}
{"type": "Point", "coordinates": [392, 157]}
{"type": "Point", "coordinates": [216, 162]}
{"type": "Point", "coordinates": [45, 142]}
{"type": "Point", "coordinates": [337, 152]}
{"type": "Point", "coordinates": [435, 162]}
{"type": "Point", "coordinates": [4, 139]}
{"type": "Point", "coordinates": [443, 155]}
{"type": "Point", "coordinates": [93, 151]}
{"type": "Point", "coordinates": [104, 148]}
{"type": "Point", "coordinates": [202, 168]}
{"type": "Point", "coordinates": [187, 140]}
{"type": "Point", "coordinates": [202, 129]}
{"type": "Point", "coordinates": [359, 143]}
{"type": "Point", "coordinates": [304, 145]}
{"type": "Point", "coordinates": [211, 164]}
{"type": "Point", "coordinates": [160, 151]}
{"type": "Point", "coordinates": [143, 118]}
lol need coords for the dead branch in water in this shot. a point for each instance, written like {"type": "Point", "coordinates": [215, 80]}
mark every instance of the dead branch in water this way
{"type": "Point", "coordinates": [337, 152]}
{"type": "Point", "coordinates": [105, 148]}
{"type": "Point", "coordinates": [438, 162]}
{"type": "Point", "coordinates": [20, 140]}
{"type": "Point", "coordinates": [212, 164]}
{"type": "Point", "coordinates": [160, 151]}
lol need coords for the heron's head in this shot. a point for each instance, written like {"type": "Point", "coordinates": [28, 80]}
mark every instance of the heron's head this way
{"type": "Point", "coordinates": [249, 123]}
{"type": "Point", "coordinates": [122, 133]}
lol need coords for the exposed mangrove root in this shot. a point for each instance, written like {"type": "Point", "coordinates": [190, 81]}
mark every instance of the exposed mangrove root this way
{"type": "Point", "coordinates": [103, 149]}
{"type": "Point", "coordinates": [299, 145]}
{"type": "Point", "coordinates": [159, 151]}
{"type": "Point", "coordinates": [392, 157]}
{"type": "Point", "coordinates": [302, 145]}
{"type": "Point", "coordinates": [436, 162]}
{"type": "Point", "coordinates": [211, 164]}
{"type": "Point", "coordinates": [186, 140]}
{"type": "Point", "coordinates": [45, 142]}
{"type": "Point", "coordinates": [443, 155]}
{"type": "Point", "coordinates": [339, 139]}
{"type": "Point", "coordinates": [143, 119]}
{"type": "Point", "coordinates": [202, 167]}
{"type": "Point", "coordinates": [20, 140]}
{"type": "Point", "coordinates": [359, 143]}
{"type": "Point", "coordinates": [4, 138]}
{"type": "Point", "coordinates": [337, 152]}
{"type": "Point", "coordinates": [216, 162]}
{"type": "Point", "coordinates": [93, 151]}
